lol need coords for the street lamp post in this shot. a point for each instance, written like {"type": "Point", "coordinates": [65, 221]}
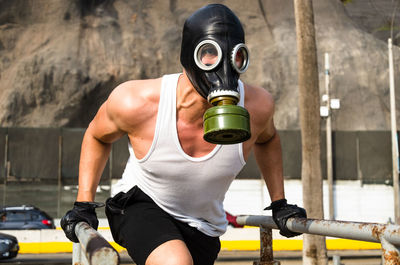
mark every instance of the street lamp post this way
{"type": "Point", "coordinates": [326, 112]}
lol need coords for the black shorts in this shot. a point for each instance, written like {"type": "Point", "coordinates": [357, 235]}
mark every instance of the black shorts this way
{"type": "Point", "coordinates": [140, 226]}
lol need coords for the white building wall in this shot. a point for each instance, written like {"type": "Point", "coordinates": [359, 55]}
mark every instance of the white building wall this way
{"type": "Point", "coordinates": [352, 201]}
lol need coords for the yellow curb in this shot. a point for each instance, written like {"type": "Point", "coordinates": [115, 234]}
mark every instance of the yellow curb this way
{"type": "Point", "coordinates": [244, 245]}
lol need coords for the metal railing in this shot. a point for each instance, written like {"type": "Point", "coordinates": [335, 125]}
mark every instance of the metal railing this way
{"type": "Point", "coordinates": [92, 248]}
{"type": "Point", "coordinates": [386, 234]}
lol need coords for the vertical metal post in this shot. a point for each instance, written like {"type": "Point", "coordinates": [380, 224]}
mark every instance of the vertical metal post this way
{"type": "Point", "coordinates": [60, 140]}
{"type": "Point", "coordinates": [78, 257]}
{"type": "Point", "coordinates": [5, 169]}
{"type": "Point", "coordinates": [336, 260]}
{"type": "Point", "coordinates": [359, 172]}
{"type": "Point", "coordinates": [76, 254]}
{"type": "Point", "coordinates": [394, 136]}
{"type": "Point", "coordinates": [266, 252]}
{"type": "Point", "coordinates": [329, 167]}
{"type": "Point", "coordinates": [390, 254]}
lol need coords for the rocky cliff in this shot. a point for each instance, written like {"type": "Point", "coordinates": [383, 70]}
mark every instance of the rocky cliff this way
{"type": "Point", "coordinates": [60, 59]}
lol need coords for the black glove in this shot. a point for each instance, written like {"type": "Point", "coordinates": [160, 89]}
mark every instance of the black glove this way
{"type": "Point", "coordinates": [82, 212]}
{"type": "Point", "coordinates": [281, 212]}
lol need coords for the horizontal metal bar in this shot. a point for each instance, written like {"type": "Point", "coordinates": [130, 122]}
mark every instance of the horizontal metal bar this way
{"type": "Point", "coordinates": [98, 250]}
{"type": "Point", "coordinates": [370, 232]}
{"type": "Point", "coordinates": [257, 220]}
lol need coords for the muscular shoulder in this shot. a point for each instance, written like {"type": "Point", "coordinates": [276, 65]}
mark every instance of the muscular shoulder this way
{"type": "Point", "coordinates": [133, 101]}
{"type": "Point", "coordinates": [260, 104]}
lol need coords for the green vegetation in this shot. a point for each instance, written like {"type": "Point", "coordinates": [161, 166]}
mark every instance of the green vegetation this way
{"type": "Point", "coordinates": [386, 28]}
{"type": "Point", "coordinates": [346, 1]}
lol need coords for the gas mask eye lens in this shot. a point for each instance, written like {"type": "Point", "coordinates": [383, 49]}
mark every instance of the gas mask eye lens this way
{"type": "Point", "coordinates": [207, 55]}
{"type": "Point", "coordinates": [240, 58]}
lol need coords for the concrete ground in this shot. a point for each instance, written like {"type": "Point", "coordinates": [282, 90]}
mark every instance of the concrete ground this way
{"type": "Point", "coordinates": [225, 258]}
{"type": "Point", "coordinates": [362, 257]}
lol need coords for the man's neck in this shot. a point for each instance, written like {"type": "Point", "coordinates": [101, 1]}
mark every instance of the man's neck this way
{"type": "Point", "coordinates": [190, 105]}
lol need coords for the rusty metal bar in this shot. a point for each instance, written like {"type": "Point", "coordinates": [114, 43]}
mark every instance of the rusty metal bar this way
{"type": "Point", "coordinates": [266, 252]}
{"type": "Point", "coordinates": [386, 234]}
{"type": "Point", "coordinates": [96, 249]}
{"type": "Point", "coordinates": [390, 253]}
{"type": "Point", "coordinates": [370, 232]}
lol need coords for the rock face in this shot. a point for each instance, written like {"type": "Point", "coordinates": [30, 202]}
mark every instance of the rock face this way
{"type": "Point", "coordinates": [59, 60]}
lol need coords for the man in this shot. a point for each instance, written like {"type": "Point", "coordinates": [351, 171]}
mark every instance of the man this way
{"type": "Point", "coordinates": [168, 209]}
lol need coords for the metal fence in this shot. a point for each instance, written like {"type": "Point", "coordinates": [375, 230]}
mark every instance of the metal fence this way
{"type": "Point", "coordinates": [40, 165]}
{"type": "Point", "coordinates": [386, 234]}
{"type": "Point", "coordinates": [52, 155]}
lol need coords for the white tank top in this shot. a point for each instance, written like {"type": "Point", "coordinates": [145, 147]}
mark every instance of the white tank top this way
{"type": "Point", "coordinates": [191, 189]}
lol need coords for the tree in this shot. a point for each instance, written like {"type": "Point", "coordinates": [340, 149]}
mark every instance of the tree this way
{"type": "Point", "coordinates": [314, 248]}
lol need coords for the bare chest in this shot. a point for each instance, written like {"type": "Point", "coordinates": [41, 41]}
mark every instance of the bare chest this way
{"type": "Point", "coordinates": [189, 135]}
{"type": "Point", "coordinates": [191, 140]}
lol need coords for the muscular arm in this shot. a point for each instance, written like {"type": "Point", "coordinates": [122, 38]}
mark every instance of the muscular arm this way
{"type": "Point", "coordinates": [123, 113]}
{"type": "Point", "coordinates": [269, 159]}
{"type": "Point", "coordinates": [268, 154]}
{"type": "Point", "coordinates": [126, 110]}
{"type": "Point", "coordinates": [94, 155]}
{"type": "Point", "coordinates": [267, 146]}
{"type": "Point", "coordinates": [96, 147]}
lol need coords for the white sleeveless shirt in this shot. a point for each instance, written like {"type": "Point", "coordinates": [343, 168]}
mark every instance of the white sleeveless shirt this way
{"type": "Point", "coordinates": [191, 189]}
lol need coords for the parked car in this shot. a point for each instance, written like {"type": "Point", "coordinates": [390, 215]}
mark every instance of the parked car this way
{"type": "Point", "coordinates": [24, 217]}
{"type": "Point", "coordinates": [8, 246]}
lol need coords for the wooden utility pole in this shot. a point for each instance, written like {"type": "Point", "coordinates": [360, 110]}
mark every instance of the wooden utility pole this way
{"type": "Point", "coordinates": [314, 248]}
{"type": "Point", "coordinates": [395, 152]}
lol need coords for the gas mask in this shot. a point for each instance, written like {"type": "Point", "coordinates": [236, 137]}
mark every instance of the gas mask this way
{"type": "Point", "coordinates": [214, 55]}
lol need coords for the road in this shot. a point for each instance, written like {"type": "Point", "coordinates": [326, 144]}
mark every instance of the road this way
{"type": "Point", "coordinates": [294, 258]}
{"type": "Point", "coordinates": [225, 258]}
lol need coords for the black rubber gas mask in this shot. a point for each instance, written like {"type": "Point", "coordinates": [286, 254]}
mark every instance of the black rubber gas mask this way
{"type": "Point", "coordinates": [214, 55]}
